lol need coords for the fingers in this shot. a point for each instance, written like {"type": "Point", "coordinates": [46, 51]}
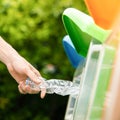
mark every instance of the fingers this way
{"type": "Point", "coordinates": [34, 70]}
{"type": "Point", "coordinates": [24, 89]}
{"type": "Point", "coordinates": [33, 74]}
{"type": "Point", "coordinates": [35, 78]}
{"type": "Point", "coordinates": [21, 90]}
{"type": "Point", "coordinates": [43, 92]}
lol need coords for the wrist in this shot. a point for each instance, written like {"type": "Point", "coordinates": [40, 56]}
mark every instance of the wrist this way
{"type": "Point", "coordinates": [7, 52]}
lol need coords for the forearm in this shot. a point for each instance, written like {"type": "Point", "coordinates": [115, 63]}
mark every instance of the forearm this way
{"type": "Point", "coordinates": [7, 53]}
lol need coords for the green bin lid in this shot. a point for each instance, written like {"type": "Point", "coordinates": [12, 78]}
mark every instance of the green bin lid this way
{"type": "Point", "coordinates": [81, 29]}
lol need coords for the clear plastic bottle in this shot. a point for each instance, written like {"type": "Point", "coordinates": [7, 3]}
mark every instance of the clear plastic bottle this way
{"type": "Point", "coordinates": [60, 87]}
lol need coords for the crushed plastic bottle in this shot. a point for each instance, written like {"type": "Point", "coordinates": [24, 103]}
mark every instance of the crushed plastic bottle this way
{"type": "Point", "coordinates": [60, 87]}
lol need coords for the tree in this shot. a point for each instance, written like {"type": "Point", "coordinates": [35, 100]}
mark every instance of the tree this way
{"type": "Point", "coordinates": [35, 29]}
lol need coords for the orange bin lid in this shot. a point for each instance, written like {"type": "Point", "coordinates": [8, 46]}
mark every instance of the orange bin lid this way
{"type": "Point", "coordinates": [104, 12]}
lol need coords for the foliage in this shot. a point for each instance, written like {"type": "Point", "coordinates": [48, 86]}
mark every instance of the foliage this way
{"type": "Point", "coordinates": [35, 29]}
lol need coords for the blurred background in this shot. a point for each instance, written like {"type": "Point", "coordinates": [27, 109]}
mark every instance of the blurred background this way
{"type": "Point", "coordinates": [35, 29]}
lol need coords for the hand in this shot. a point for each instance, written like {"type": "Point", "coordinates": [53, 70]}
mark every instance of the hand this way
{"type": "Point", "coordinates": [20, 70]}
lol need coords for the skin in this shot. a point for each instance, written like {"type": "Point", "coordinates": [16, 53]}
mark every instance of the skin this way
{"type": "Point", "coordinates": [20, 69]}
